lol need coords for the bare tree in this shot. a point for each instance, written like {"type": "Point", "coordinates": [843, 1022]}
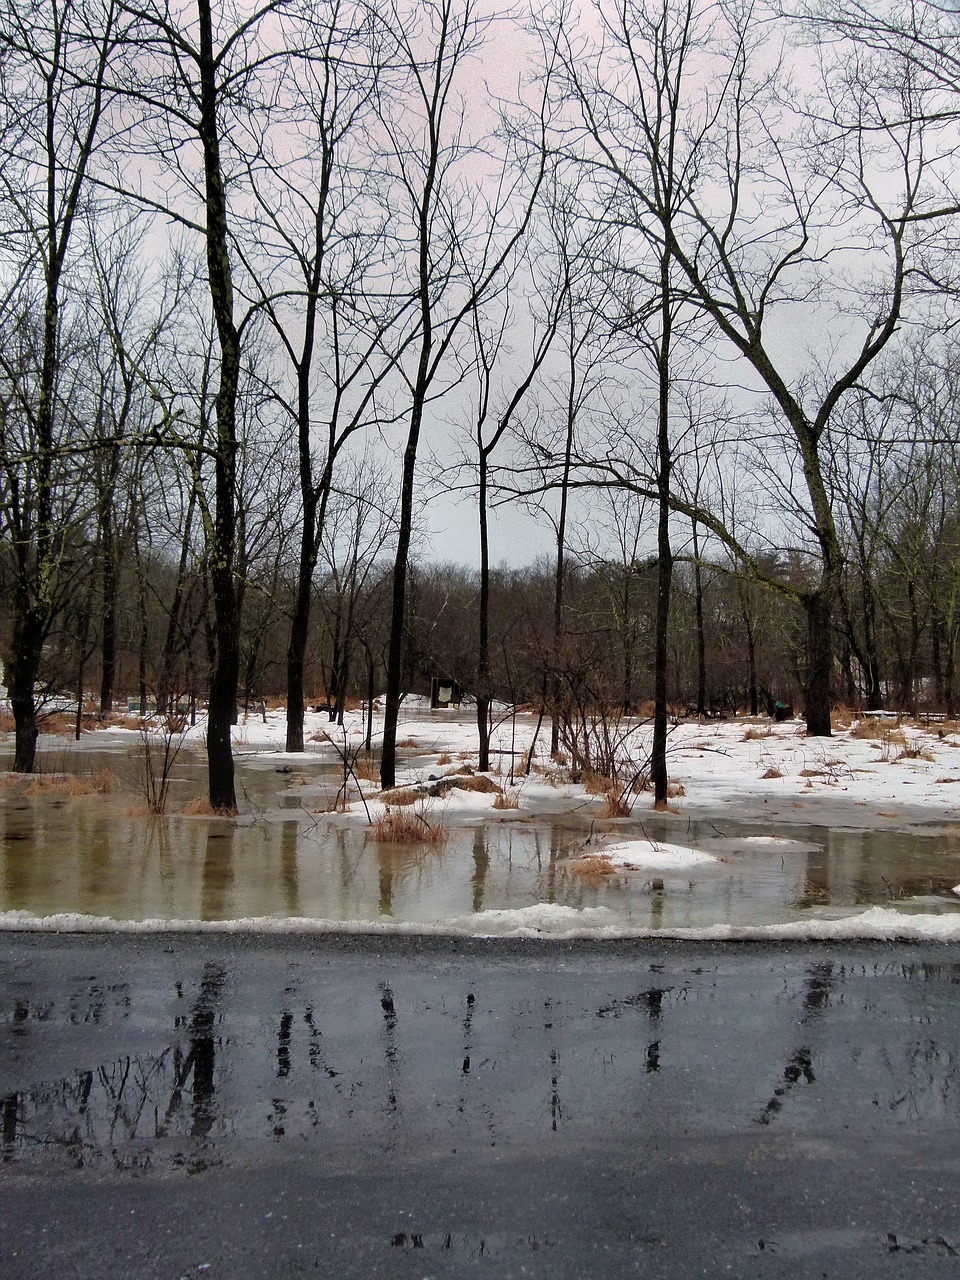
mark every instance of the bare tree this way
{"type": "Point", "coordinates": [454, 240]}
{"type": "Point", "coordinates": [191, 77]}
{"type": "Point", "coordinates": [755, 222]}
{"type": "Point", "coordinates": [57, 61]}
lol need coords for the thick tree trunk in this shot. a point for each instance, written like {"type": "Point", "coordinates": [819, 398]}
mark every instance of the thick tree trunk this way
{"type": "Point", "coordinates": [226, 677]}
{"type": "Point", "coordinates": [819, 609]}
{"type": "Point", "coordinates": [398, 609]}
{"type": "Point", "coordinates": [296, 653]}
{"type": "Point", "coordinates": [22, 671]}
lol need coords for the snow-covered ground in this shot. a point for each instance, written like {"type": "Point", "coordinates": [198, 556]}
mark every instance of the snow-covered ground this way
{"type": "Point", "coordinates": [870, 777]}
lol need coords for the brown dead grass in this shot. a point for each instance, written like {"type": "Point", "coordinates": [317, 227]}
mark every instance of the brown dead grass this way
{"type": "Point", "coordinates": [366, 769]}
{"type": "Point", "coordinates": [475, 782]}
{"type": "Point", "coordinates": [509, 799]}
{"type": "Point", "coordinates": [118, 720]}
{"type": "Point", "coordinates": [401, 796]}
{"type": "Point", "coordinates": [613, 805]}
{"type": "Point", "coordinates": [444, 758]}
{"type": "Point", "coordinates": [406, 827]}
{"type": "Point", "coordinates": [199, 807]}
{"type": "Point", "coordinates": [753, 733]}
{"type": "Point", "coordinates": [675, 790]}
{"type": "Point", "coordinates": [7, 723]}
{"type": "Point", "coordinates": [594, 783]}
{"type": "Point", "coordinates": [595, 864]}
{"type": "Point", "coordinates": [772, 772]}
{"type": "Point", "coordinates": [408, 742]}
{"type": "Point", "coordinates": [58, 724]}
{"type": "Point", "coordinates": [879, 731]}
{"type": "Point", "coordinates": [47, 784]}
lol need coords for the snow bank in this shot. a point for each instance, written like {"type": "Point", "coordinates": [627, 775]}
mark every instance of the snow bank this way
{"type": "Point", "coordinates": [878, 924]}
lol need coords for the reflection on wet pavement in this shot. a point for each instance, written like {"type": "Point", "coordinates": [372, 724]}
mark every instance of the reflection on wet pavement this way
{"type": "Point", "coordinates": [209, 1053]}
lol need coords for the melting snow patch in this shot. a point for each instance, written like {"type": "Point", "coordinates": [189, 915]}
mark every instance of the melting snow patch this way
{"type": "Point", "coordinates": [651, 854]}
{"type": "Point", "coordinates": [540, 919]}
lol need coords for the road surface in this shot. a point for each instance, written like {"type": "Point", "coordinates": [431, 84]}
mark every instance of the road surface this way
{"type": "Point", "coordinates": [220, 1106]}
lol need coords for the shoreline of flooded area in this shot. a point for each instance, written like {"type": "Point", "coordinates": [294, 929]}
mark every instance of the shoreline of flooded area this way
{"type": "Point", "coordinates": [73, 860]}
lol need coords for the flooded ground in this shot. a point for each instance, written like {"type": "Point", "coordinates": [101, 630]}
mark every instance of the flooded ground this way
{"type": "Point", "coordinates": [286, 858]}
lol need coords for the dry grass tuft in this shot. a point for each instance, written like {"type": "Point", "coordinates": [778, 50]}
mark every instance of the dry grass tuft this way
{"type": "Point", "coordinates": [772, 772]}
{"type": "Point", "coordinates": [916, 751]}
{"type": "Point", "coordinates": [7, 722]}
{"type": "Point", "coordinates": [475, 782]}
{"type": "Point", "coordinates": [319, 736]}
{"type": "Point", "coordinates": [594, 783]}
{"type": "Point", "coordinates": [753, 733]}
{"type": "Point", "coordinates": [138, 811]}
{"type": "Point", "coordinates": [614, 805]}
{"type": "Point", "coordinates": [118, 720]}
{"type": "Point", "coordinates": [77, 786]}
{"type": "Point", "coordinates": [661, 806]}
{"type": "Point", "coordinates": [406, 827]}
{"type": "Point", "coordinates": [444, 758]}
{"type": "Point", "coordinates": [41, 784]}
{"type": "Point", "coordinates": [104, 781]}
{"type": "Point", "coordinates": [595, 864]}
{"type": "Point", "coordinates": [366, 769]}
{"type": "Point", "coordinates": [886, 731]}
{"type": "Point", "coordinates": [199, 807]}
{"type": "Point", "coordinates": [675, 790]}
{"type": "Point", "coordinates": [509, 799]}
{"type": "Point", "coordinates": [401, 796]}
{"type": "Point", "coordinates": [408, 742]}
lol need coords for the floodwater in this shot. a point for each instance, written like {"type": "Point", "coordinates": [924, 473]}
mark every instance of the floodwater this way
{"type": "Point", "coordinates": [286, 858]}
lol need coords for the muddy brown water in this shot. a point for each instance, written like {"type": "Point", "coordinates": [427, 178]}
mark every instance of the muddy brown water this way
{"type": "Point", "coordinates": [285, 858]}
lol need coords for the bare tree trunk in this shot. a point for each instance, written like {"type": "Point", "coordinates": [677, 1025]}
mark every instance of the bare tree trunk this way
{"type": "Point", "coordinates": [483, 627]}
{"type": "Point", "coordinates": [226, 676]}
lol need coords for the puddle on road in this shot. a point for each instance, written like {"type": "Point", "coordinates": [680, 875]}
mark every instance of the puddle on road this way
{"type": "Point", "coordinates": [215, 1060]}
{"type": "Point", "coordinates": [87, 854]}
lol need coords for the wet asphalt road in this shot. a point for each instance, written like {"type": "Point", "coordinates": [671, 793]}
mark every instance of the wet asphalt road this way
{"type": "Point", "coordinates": [226, 1107]}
